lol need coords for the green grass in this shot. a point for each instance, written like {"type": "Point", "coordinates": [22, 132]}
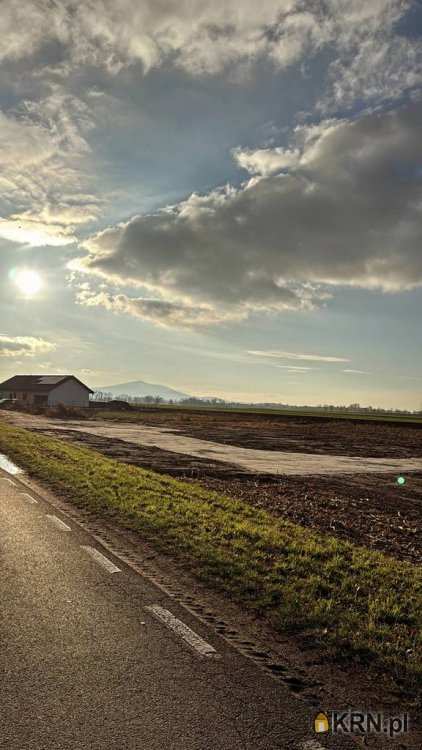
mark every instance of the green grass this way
{"type": "Point", "coordinates": [355, 600]}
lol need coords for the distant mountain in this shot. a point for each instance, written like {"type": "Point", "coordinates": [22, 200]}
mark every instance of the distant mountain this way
{"type": "Point", "coordinates": [139, 389]}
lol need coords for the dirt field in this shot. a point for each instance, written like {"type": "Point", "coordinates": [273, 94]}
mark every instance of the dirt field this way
{"type": "Point", "coordinates": [255, 460]}
{"type": "Point", "coordinates": [286, 433]}
{"type": "Point", "coordinates": [368, 509]}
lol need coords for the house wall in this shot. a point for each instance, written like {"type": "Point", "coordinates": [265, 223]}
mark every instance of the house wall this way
{"type": "Point", "coordinates": [28, 398]}
{"type": "Point", "coordinates": [70, 393]}
{"type": "Point", "coordinates": [5, 394]}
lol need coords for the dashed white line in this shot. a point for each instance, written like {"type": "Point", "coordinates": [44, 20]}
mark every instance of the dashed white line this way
{"type": "Point", "coordinates": [59, 523]}
{"type": "Point", "coordinates": [29, 498]}
{"type": "Point", "coordinates": [179, 627]}
{"type": "Point", "coordinates": [311, 745]}
{"type": "Point", "coordinates": [6, 479]}
{"type": "Point", "coordinates": [101, 559]}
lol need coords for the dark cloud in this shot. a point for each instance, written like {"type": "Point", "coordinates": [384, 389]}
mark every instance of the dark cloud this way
{"type": "Point", "coordinates": [347, 212]}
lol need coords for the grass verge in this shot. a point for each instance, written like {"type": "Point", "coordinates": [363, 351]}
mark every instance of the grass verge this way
{"type": "Point", "coordinates": [351, 598]}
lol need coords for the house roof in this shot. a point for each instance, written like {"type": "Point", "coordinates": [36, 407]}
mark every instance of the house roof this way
{"type": "Point", "coordinates": [38, 383]}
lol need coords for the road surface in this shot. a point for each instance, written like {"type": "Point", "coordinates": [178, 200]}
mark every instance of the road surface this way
{"type": "Point", "coordinates": [94, 656]}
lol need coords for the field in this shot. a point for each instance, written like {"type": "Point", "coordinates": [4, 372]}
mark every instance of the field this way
{"type": "Point", "coordinates": [348, 434]}
{"type": "Point", "coordinates": [314, 412]}
{"type": "Point", "coordinates": [367, 509]}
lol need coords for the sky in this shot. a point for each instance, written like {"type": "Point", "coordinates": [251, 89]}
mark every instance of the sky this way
{"type": "Point", "coordinates": [223, 197]}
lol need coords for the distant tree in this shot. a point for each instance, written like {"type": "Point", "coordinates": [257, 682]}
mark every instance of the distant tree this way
{"type": "Point", "coordinates": [101, 396]}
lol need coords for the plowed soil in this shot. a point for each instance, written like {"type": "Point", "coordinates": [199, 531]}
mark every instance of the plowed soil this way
{"type": "Point", "coordinates": [287, 433]}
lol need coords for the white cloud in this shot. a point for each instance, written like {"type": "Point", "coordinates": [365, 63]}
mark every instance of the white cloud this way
{"type": "Point", "coordinates": [30, 141]}
{"type": "Point", "coordinates": [24, 346]}
{"type": "Point", "coordinates": [348, 213]}
{"type": "Point", "coordinates": [380, 67]}
{"type": "Point", "coordinates": [158, 311]}
{"type": "Point", "coordinates": [203, 37]}
{"type": "Point", "coordinates": [266, 161]}
{"type": "Point", "coordinates": [274, 354]}
{"type": "Point", "coordinates": [199, 36]}
{"type": "Point", "coordinates": [290, 368]}
{"type": "Point", "coordinates": [356, 372]}
{"type": "Point", "coordinates": [44, 158]}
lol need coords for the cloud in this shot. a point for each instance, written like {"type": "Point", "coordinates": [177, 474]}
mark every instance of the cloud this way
{"type": "Point", "coordinates": [266, 161]}
{"type": "Point", "coordinates": [199, 36]}
{"type": "Point", "coordinates": [160, 312]}
{"type": "Point", "coordinates": [290, 368]}
{"type": "Point", "coordinates": [45, 153]}
{"type": "Point", "coordinates": [27, 139]}
{"type": "Point", "coordinates": [274, 354]}
{"type": "Point", "coordinates": [207, 38]}
{"type": "Point", "coordinates": [377, 65]}
{"type": "Point", "coordinates": [44, 157]}
{"type": "Point", "coordinates": [356, 372]}
{"type": "Point", "coordinates": [347, 214]}
{"type": "Point", "coordinates": [27, 346]}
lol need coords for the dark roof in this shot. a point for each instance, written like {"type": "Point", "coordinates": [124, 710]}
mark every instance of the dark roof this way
{"type": "Point", "coordinates": [38, 383]}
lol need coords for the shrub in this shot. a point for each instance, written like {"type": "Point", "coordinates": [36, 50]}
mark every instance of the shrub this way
{"type": "Point", "coordinates": [63, 411]}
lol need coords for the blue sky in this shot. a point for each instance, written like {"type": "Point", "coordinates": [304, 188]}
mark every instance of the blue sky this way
{"type": "Point", "coordinates": [222, 198]}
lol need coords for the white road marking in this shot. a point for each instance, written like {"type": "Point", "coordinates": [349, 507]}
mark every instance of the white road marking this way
{"type": "Point", "coordinates": [179, 627]}
{"type": "Point", "coordinates": [29, 498]}
{"type": "Point", "coordinates": [101, 559]}
{"type": "Point", "coordinates": [312, 745]}
{"type": "Point", "coordinates": [59, 523]}
{"type": "Point", "coordinates": [6, 479]}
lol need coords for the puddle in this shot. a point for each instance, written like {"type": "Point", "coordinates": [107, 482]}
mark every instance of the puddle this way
{"type": "Point", "coordinates": [9, 466]}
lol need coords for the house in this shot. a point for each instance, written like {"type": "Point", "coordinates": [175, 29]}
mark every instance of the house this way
{"type": "Point", "coordinates": [46, 390]}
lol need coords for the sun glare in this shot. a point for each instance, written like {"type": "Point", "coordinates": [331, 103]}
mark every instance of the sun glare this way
{"type": "Point", "coordinates": [29, 282]}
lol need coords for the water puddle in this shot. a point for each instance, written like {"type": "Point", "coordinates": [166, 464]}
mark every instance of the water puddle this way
{"type": "Point", "coordinates": [8, 465]}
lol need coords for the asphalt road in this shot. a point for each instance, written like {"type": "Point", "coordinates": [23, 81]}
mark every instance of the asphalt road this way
{"type": "Point", "coordinates": [85, 664]}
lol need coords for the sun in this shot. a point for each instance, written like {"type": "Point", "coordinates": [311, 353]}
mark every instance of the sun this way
{"type": "Point", "coordinates": [29, 282]}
